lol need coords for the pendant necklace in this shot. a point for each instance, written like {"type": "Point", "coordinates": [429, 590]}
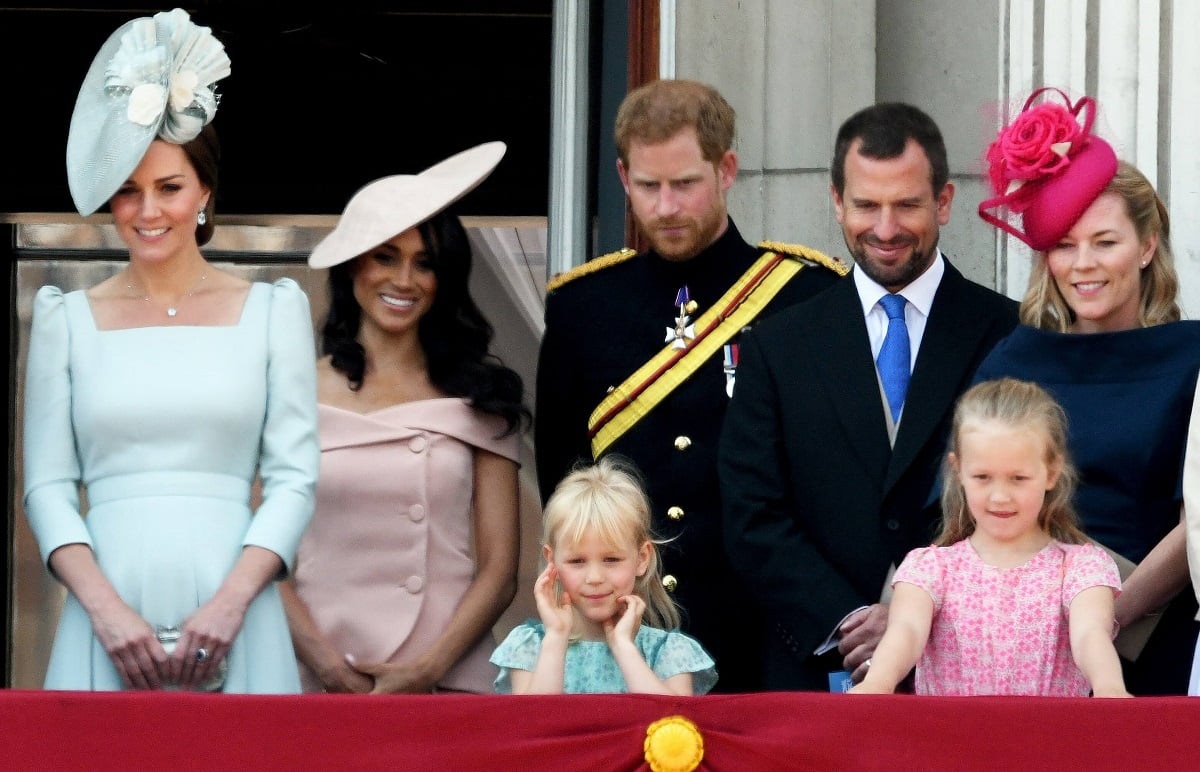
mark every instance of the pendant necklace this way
{"type": "Point", "coordinates": [172, 309]}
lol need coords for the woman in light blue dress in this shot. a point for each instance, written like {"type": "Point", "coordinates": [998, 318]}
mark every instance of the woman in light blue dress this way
{"type": "Point", "coordinates": [164, 391]}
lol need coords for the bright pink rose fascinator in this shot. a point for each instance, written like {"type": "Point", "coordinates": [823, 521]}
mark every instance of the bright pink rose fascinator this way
{"type": "Point", "coordinates": [1047, 167]}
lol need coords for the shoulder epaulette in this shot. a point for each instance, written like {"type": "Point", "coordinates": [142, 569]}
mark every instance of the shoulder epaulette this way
{"type": "Point", "coordinates": [835, 264]}
{"type": "Point", "coordinates": [591, 266]}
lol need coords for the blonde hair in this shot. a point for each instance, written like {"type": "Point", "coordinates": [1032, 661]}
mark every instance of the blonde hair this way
{"type": "Point", "coordinates": [606, 499]}
{"type": "Point", "coordinates": [1020, 405]}
{"type": "Point", "coordinates": [1044, 305]}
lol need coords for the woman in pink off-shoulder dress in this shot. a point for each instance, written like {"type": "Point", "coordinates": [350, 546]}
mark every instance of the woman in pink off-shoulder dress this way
{"type": "Point", "coordinates": [411, 556]}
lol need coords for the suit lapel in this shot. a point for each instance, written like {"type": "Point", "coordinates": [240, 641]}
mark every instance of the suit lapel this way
{"type": "Point", "coordinates": [947, 351]}
{"type": "Point", "coordinates": [845, 367]}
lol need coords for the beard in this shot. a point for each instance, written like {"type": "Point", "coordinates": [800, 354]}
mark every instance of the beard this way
{"type": "Point", "coordinates": [698, 235]}
{"type": "Point", "coordinates": [899, 275]}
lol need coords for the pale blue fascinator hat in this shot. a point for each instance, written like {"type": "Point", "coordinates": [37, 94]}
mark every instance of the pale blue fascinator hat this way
{"type": "Point", "coordinates": [153, 78]}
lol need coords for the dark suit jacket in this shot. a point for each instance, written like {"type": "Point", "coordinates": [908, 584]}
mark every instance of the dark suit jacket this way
{"type": "Point", "coordinates": [817, 506]}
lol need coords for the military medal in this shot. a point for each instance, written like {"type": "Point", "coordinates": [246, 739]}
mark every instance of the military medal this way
{"type": "Point", "coordinates": [683, 331]}
{"type": "Point", "coordinates": [730, 366]}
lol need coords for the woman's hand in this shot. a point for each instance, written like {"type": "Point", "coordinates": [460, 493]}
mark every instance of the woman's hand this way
{"type": "Point", "coordinates": [133, 647]}
{"type": "Point", "coordinates": [211, 629]}
{"type": "Point", "coordinates": [214, 626]}
{"type": "Point", "coordinates": [624, 627]}
{"type": "Point", "coordinates": [340, 677]}
{"type": "Point", "coordinates": [557, 613]}
{"type": "Point", "coordinates": [328, 664]}
{"type": "Point", "coordinates": [395, 677]}
{"type": "Point", "coordinates": [128, 639]}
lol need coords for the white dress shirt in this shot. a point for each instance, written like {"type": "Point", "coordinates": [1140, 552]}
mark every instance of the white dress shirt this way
{"type": "Point", "coordinates": [919, 294]}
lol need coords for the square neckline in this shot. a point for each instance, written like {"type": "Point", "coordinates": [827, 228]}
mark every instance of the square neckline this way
{"type": "Point", "coordinates": [241, 317]}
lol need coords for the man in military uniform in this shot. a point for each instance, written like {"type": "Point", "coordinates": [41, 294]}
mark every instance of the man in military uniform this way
{"type": "Point", "coordinates": [641, 350]}
{"type": "Point", "coordinates": [838, 428]}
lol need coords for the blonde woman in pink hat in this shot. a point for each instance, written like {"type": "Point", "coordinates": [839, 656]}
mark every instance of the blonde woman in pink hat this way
{"type": "Point", "coordinates": [411, 556]}
{"type": "Point", "coordinates": [1102, 333]}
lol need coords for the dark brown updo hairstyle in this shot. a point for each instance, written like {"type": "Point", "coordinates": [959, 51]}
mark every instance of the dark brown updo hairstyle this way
{"type": "Point", "coordinates": [204, 153]}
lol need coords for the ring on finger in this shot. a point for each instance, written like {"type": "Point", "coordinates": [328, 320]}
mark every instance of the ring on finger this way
{"type": "Point", "coordinates": [867, 664]}
{"type": "Point", "coordinates": [201, 654]}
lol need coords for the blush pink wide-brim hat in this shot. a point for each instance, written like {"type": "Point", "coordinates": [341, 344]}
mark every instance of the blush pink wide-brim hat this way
{"type": "Point", "coordinates": [385, 208]}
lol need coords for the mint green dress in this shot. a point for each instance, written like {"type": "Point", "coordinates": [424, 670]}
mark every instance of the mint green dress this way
{"type": "Point", "coordinates": [166, 428]}
{"type": "Point", "coordinates": [590, 667]}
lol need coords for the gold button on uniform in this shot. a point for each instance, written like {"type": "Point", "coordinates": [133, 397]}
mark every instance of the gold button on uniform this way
{"type": "Point", "coordinates": [682, 442]}
{"type": "Point", "coordinates": [670, 583]}
{"type": "Point", "coordinates": [675, 513]}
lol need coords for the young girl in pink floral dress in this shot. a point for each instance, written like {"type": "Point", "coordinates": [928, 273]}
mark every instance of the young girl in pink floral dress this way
{"type": "Point", "coordinates": [1012, 598]}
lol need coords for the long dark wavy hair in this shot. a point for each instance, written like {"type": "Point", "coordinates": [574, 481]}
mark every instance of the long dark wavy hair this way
{"type": "Point", "coordinates": [454, 333]}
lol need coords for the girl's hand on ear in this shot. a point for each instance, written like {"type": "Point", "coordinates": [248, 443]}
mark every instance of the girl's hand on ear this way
{"type": "Point", "coordinates": [556, 612]}
{"type": "Point", "coordinates": [625, 627]}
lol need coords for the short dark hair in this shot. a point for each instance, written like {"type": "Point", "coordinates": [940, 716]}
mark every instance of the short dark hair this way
{"type": "Point", "coordinates": [204, 153]}
{"type": "Point", "coordinates": [885, 129]}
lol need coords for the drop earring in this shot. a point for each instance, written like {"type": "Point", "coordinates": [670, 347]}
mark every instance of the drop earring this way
{"type": "Point", "coordinates": [201, 217]}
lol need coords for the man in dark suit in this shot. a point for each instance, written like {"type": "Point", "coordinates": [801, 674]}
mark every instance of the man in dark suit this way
{"type": "Point", "coordinates": [831, 450]}
{"type": "Point", "coordinates": [640, 349]}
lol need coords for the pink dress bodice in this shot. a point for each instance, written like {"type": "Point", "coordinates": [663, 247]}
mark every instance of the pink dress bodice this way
{"type": "Point", "coordinates": [388, 555]}
{"type": "Point", "coordinates": [1003, 630]}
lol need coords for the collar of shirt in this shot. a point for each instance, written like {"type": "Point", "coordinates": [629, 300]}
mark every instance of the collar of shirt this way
{"type": "Point", "coordinates": [919, 294]}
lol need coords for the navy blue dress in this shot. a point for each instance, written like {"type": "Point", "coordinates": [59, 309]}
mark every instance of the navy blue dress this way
{"type": "Point", "coordinates": [1128, 396]}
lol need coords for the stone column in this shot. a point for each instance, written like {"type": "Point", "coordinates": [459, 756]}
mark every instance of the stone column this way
{"type": "Point", "coordinates": [793, 70]}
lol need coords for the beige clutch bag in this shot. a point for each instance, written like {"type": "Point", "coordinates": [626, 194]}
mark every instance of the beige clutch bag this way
{"type": "Point", "coordinates": [169, 636]}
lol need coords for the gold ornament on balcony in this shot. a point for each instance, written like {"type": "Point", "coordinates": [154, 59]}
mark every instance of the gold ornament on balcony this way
{"type": "Point", "coordinates": [673, 744]}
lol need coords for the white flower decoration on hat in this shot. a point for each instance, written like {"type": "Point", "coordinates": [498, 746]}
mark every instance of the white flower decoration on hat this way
{"type": "Point", "coordinates": [183, 89]}
{"type": "Point", "coordinates": [146, 104]}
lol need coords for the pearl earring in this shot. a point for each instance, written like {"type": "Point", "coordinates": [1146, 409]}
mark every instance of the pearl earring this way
{"type": "Point", "coordinates": [202, 218]}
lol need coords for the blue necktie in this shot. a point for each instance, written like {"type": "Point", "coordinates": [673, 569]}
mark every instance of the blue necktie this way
{"type": "Point", "coordinates": [894, 356]}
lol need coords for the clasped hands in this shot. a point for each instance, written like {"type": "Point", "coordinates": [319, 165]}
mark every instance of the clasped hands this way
{"type": "Point", "coordinates": [143, 663]}
{"type": "Point", "coordinates": [349, 676]}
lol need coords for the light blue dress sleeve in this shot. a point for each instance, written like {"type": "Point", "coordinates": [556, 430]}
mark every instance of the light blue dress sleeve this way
{"type": "Point", "coordinates": [291, 453]}
{"type": "Point", "coordinates": [51, 465]}
{"type": "Point", "coordinates": [519, 651]}
{"type": "Point", "coordinates": [674, 652]}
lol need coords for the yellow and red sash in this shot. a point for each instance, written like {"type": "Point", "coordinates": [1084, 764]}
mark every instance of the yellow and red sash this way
{"type": "Point", "coordinates": [641, 392]}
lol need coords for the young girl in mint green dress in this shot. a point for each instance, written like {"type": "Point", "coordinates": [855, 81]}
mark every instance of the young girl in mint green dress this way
{"type": "Point", "coordinates": [607, 624]}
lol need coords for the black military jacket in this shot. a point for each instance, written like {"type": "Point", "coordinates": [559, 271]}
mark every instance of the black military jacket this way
{"type": "Point", "coordinates": [600, 327]}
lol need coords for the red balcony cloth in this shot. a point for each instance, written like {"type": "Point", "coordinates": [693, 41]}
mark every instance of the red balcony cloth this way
{"type": "Point", "coordinates": [777, 731]}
